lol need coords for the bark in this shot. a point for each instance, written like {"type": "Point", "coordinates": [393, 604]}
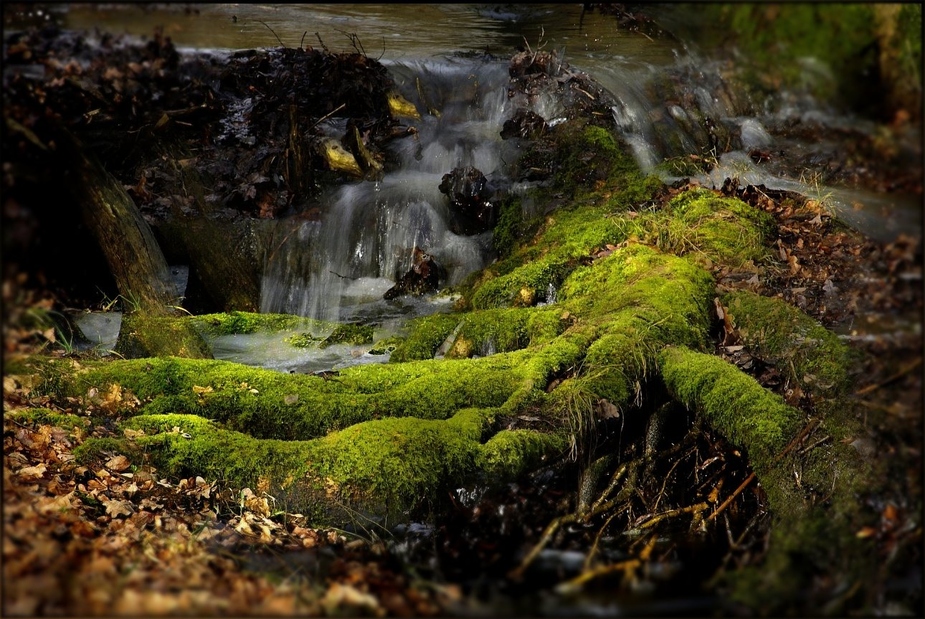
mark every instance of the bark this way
{"type": "Point", "coordinates": [135, 259]}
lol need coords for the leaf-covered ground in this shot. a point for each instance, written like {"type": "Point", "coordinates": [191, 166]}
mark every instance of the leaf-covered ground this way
{"type": "Point", "coordinates": [121, 540]}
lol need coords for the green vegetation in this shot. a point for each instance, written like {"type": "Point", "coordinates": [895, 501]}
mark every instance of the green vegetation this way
{"type": "Point", "coordinates": [810, 355]}
{"type": "Point", "coordinates": [864, 56]}
{"type": "Point", "coordinates": [611, 292]}
{"type": "Point", "coordinates": [147, 335]}
{"type": "Point", "coordinates": [231, 323]}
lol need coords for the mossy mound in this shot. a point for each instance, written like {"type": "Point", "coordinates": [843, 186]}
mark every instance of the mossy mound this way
{"type": "Point", "coordinates": [611, 295]}
{"type": "Point", "coordinates": [232, 323]}
{"type": "Point", "coordinates": [806, 352]}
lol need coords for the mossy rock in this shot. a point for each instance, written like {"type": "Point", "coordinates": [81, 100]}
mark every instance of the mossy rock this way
{"type": "Point", "coordinates": [349, 334]}
{"type": "Point", "coordinates": [236, 322]}
{"type": "Point", "coordinates": [143, 335]}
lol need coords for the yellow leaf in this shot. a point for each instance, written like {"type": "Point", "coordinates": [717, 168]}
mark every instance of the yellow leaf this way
{"type": "Point", "coordinates": [202, 390]}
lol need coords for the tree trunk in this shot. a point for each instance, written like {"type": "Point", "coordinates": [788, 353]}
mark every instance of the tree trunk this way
{"type": "Point", "coordinates": [135, 259]}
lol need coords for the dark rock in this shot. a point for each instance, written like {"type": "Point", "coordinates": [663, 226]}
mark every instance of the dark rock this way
{"type": "Point", "coordinates": [423, 277]}
{"type": "Point", "coordinates": [524, 124]}
{"type": "Point", "coordinates": [470, 200]}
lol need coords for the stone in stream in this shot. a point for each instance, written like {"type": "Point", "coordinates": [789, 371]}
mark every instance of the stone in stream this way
{"type": "Point", "coordinates": [524, 124]}
{"type": "Point", "coordinates": [470, 200]}
{"type": "Point", "coordinates": [423, 277]}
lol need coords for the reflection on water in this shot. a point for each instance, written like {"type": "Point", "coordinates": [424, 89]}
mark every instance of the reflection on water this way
{"type": "Point", "coordinates": [385, 31]}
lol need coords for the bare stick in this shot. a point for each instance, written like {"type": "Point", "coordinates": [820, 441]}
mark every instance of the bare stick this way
{"type": "Point", "coordinates": [732, 497]}
{"type": "Point", "coordinates": [281, 44]}
{"type": "Point", "coordinates": [329, 114]}
{"type": "Point", "coordinates": [896, 376]}
{"type": "Point", "coordinates": [671, 513]}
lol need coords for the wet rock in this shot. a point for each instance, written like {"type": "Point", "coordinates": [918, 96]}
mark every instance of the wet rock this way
{"type": "Point", "coordinates": [470, 200]}
{"type": "Point", "coordinates": [423, 277]}
{"type": "Point", "coordinates": [524, 124]}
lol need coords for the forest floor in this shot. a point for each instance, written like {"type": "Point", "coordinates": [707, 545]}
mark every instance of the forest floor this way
{"type": "Point", "coordinates": [117, 539]}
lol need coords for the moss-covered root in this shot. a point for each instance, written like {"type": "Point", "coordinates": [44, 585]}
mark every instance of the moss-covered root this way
{"type": "Point", "coordinates": [810, 355]}
{"type": "Point", "coordinates": [731, 401]}
{"type": "Point", "coordinates": [386, 468]}
{"type": "Point", "coordinates": [815, 493]}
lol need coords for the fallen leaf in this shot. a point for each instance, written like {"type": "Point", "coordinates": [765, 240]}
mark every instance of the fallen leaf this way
{"type": "Point", "coordinates": [116, 508]}
{"type": "Point", "coordinates": [32, 472]}
{"type": "Point", "coordinates": [118, 463]}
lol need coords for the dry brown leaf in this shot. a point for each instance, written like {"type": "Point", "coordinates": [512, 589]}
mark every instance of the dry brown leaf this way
{"type": "Point", "coordinates": [116, 508]}
{"type": "Point", "coordinates": [118, 463]}
{"type": "Point", "coordinates": [32, 472]}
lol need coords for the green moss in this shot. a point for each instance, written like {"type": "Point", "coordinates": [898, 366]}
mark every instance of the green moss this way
{"type": "Point", "coordinates": [302, 340]}
{"type": "Point", "coordinates": [510, 453]}
{"type": "Point", "coordinates": [143, 335]}
{"type": "Point", "coordinates": [734, 403]}
{"type": "Point", "coordinates": [98, 450]}
{"type": "Point", "coordinates": [388, 466]}
{"type": "Point", "coordinates": [802, 349]}
{"type": "Point", "coordinates": [269, 404]}
{"type": "Point", "coordinates": [709, 228]}
{"type": "Point", "coordinates": [232, 323]}
{"type": "Point", "coordinates": [587, 155]}
{"type": "Point", "coordinates": [522, 287]}
{"type": "Point", "coordinates": [44, 416]}
{"type": "Point", "coordinates": [349, 334]}
{"type": "Point", "coordinates": [510, 225]}
{"type": "Point", "coordinates": [425, 336]}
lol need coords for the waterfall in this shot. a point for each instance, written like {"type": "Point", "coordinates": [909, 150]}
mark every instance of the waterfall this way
{"type": "Point", "coordinates": [337, 266]}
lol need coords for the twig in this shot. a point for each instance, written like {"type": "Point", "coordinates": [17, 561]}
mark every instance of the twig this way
{"type": "Point", "coordinates": [574, 584]}
{"type": "Point", "coordinates": [303, 39]}
{"type": "Point", "coordinates": [661, 492]}
{"type": "Point", "coordinates": [329, 114]}
{"type": "Point", "coordinates": [731, 497]}
{"type": "Point", "coordinates": [281, 44]}
{"type": "Point", "coordinates": [793, 443]}
{"type": "Point", "coordinates": [548, 532]}
{"type": "Point", "coordinates": [597, 538]}
{"type": "Point", "coordinates": [816, 444]}
{"type": "Point", "coordinates": [896, 376]}
{"type": "Point", "coordinates": [671, 513]}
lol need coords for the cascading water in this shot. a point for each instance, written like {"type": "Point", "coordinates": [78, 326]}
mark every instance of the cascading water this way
{"type": "Point", "coordinates": [692, 108]}
{"type": "Point", "coordinates": [337, 266]}
{"type": "Point", "coordinates": [336, 260]}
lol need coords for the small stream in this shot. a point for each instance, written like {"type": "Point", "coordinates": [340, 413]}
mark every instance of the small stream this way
{"type": "Point", "coordinates": [336, 264]}
{"type": "Point", "coordinates": [334, 260]}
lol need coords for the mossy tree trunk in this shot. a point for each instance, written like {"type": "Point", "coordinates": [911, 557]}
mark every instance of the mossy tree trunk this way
{"type": "Point", "coordinates": [134, 257]}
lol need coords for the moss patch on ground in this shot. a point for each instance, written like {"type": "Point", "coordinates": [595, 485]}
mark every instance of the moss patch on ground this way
{"type": "Point", "coordinates": [610, 293]}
